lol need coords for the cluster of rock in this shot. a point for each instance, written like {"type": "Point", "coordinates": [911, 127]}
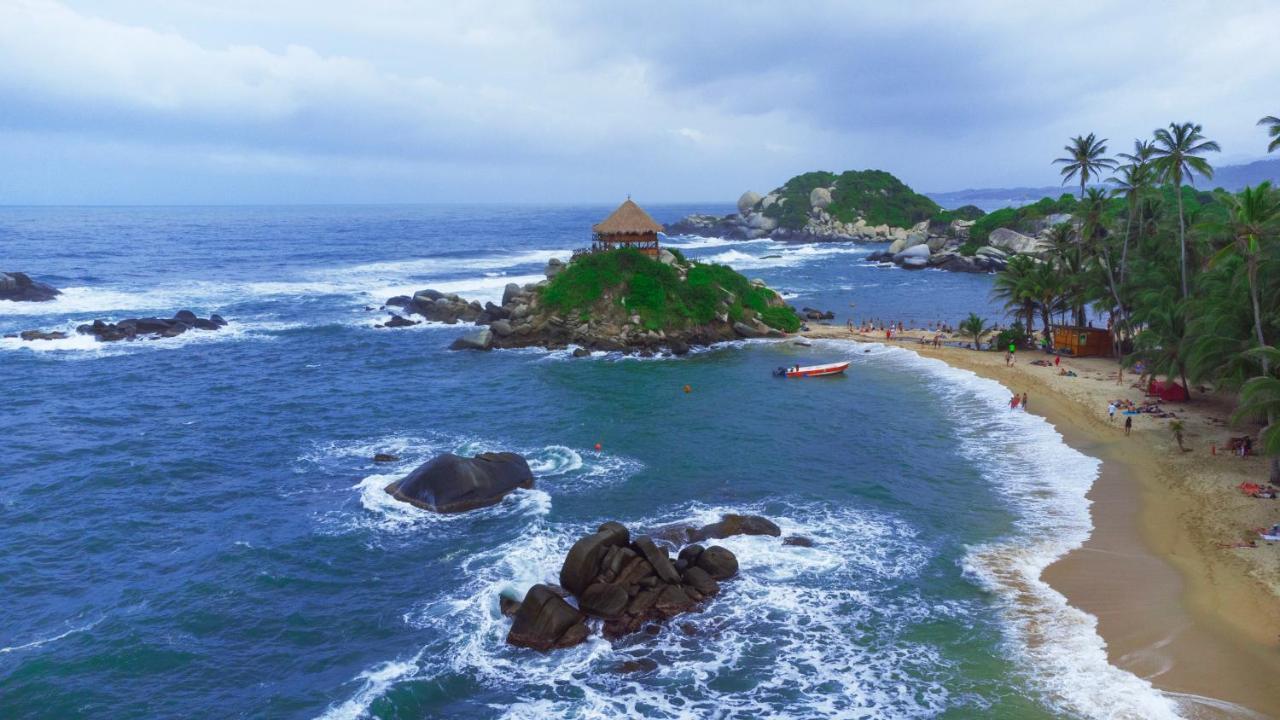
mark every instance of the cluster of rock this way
{"type": "Point", "coordinates": [751, 223]}
{"type": "Point", "coordinates": [522, 320]}
{"type": "Point", "coordinates": [625, 582]}
{"type": "Point", "coordinates": [448, 483]}
{"type": "Point", "coordinates": [134, 328]}
{"type": "Point", "coordinates": [809, 313]}
{"type": "Point", "coordinates": [943, 251]}
{"type": "Point", "coordinates": [19, 287]}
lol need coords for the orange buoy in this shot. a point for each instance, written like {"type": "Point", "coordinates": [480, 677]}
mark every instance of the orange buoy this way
{"type": "Point", "coordinates": [688, 389]}
{"type": "Point", "coordinates": [597, 447]}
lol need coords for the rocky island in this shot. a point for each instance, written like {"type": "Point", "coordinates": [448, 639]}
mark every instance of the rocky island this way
{"type": "Point", "coordinates": [615, 300]}
{"type": "Point", "coordinates": [873, 206]}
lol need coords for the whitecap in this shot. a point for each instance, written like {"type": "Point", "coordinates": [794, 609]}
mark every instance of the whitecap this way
{"type": "Point", "coordinates": [40, 642]}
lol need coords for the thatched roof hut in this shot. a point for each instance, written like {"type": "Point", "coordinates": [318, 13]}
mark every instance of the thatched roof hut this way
{"type": "Point", "coordinates": [628, 226]}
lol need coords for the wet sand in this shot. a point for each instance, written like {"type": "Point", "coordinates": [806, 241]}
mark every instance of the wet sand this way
{"type": "Point", "coordinates": [1200, 622]}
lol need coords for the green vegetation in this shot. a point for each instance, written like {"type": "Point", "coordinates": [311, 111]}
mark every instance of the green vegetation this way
{"type": "Point", "coordinates": [626, 281]}
{"type": "Point", "coordinates": [874, 195]}
{"type": "Point", "coordinates": [976, 328]}
{"type": "Point", "coordinates": [1189, 280]}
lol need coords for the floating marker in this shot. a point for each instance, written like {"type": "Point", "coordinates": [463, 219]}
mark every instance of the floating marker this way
{"type": "Point", "coordinates": [597, 447]}
{"type": "Point", "coordinates": [688, 389]}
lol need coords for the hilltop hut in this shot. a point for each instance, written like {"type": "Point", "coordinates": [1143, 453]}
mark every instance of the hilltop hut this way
{"type": "Point", "coordinates": [628, 226]}
{"type": "Point", "coordinates": [1082, 341]}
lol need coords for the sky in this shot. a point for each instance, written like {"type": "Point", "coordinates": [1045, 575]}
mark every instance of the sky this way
{"type": "Point", "coordinates": [320, 101]}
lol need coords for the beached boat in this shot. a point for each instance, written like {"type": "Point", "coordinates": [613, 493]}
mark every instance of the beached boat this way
{"type": "Point", "coordinates": [812, 370]}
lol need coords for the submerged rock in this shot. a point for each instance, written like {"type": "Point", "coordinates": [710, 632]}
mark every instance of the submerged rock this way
{"type": "Point", "coordinates": [728, 525]}
{"type": "Point", "coordinates": [19, 287]}
{"type": "Point", "coordinates": [448, 483]}
{"type": "Point", "coordinates": [385, 458]}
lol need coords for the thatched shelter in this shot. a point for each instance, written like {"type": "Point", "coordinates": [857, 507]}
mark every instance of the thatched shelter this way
{"type": "Point", "coordinates": [628, 226]}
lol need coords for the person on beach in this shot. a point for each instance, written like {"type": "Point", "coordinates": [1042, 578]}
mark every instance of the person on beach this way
{"type": "Point", "coordinates": [1111, 412]}
{"type": "Point", "coordinates": [1128, 424]}
{"type": "Point", "coordinates": [1013, 402]}
{"type": "Point", "coordinates": [1024, 402]}
{"type": "Point", "coordinates": [1008, 359]}
{"type": "Point", "coordinates": [1057, 360]}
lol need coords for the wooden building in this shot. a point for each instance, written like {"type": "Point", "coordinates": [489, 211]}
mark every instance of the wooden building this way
{"type": "Point", "coordinates": [628, 226]}
{"type": "Point", "coordinates": [1082, 341]}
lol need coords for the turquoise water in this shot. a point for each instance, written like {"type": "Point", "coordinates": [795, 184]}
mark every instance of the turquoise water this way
{"type": "Point", "coordinates": [193, 527]}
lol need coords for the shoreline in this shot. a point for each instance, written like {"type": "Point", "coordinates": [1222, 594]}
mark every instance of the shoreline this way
{"type": "Point", "coordinates": [1195, 620]}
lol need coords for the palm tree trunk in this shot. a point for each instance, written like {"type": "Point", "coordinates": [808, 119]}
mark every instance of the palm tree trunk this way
{"type": "Point", "coordinates": [1124, 252]}
{"type": "Point", "coordinates": [1182, 239]}
{"type": "Point", "coordinates": [1274, 478]}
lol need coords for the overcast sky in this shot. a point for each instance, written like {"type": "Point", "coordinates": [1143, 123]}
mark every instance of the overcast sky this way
{"type": "Point", "coordinates": [261, 101]}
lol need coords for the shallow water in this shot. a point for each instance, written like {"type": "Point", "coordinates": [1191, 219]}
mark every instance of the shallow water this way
{"type": "Point", "coordinates": [194, 527]}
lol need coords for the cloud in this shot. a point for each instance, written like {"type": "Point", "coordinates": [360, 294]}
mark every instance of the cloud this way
{"type": "Point", "coordinates": [668, 100]}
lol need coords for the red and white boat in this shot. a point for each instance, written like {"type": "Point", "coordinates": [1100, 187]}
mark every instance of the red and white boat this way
{"type": "Point", "coordinates": [812, 370]}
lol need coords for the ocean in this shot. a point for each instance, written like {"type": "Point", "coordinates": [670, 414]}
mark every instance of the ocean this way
{"type": "Point", "coordinates": [194, 527]}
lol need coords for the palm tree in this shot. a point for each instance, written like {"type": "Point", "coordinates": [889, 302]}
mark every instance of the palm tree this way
{"type": "Point", "coordinates": [1273, 129]}
{"type": "Point", "coordinates": [1164, 343]}
{"type": "Point", "coordinates": [974, 327]}
{"type": "Point", "coordinates": [1261, 396]}
{"type": "Point", "coordinates": [1048, 286]}
{"type": "Point", "coordinates": [1086, 157]}
{"type": "Point", "coordinates": [1176, 153]}
{"type": "Point", "coordinates": [1254, 217]}
{"type": "Point", "coordinates": [1135, 179]}
{"type": "Point", "coordinates": [1015, 285]}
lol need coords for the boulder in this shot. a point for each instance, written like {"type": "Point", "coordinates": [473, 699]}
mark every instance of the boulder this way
{"type": "Point", "coordinates": [819, 198]}
{"type": "Point", "coordinates": [698, 579]}
{"type": "Point", "coordinates": [1015, 242]}
{"type": "Point", "coordinates": [673, 600]}
{"type": "Point", "coordinates": [449, 483]}
{"type": "Point", "coordinates": [915, 263]}
{"type": "Point", "coordinates": [666, 257]}
{"type": "Point", "coordinates": [554, 267]}
{"type": "Point", "coordinates": [747, 331]}
{"type": "Point", "coordinates": [509, 293]}
{"type": "Point", "coordinates": [501, 328]}
{"type": "Point", "coordinates": [604, 600]}
{"type": "Point", "coordinates": [747, 202]}
{"type": "Point", "coordinates": [988, 251]}
{"type": "Point", "coordinates": [937, 242]}
{"type": "Point", "coordinates": [720, 563]}
{"type": "Point", "coordinates": [385, 458]}
{"type": "Point", "coordinates": [657, 558]}
{"type": "Point", "coordinates": [481, 339]}
{"type": "Point", "coordinates": [912, 251]}
{"type": "Point", "coordinates": [545, 621]}
{"type": "Point", "coordinates": [797, 541]}
{"type": "Point", "coordinates": [582, 564]}
{"type": "Point", "coordinates": [19, 287]}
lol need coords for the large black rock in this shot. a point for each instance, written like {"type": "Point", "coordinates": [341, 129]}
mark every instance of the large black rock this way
{"type": "Point", "coordinates": [545, 621]}
{"type": "Point", "coordinates": [21, 288]}
{"type": "Point", "coordinates": [449, 483]}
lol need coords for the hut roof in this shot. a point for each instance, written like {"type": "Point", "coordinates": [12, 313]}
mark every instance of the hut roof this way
{"type": "Point", "coordinates": [628, 219]}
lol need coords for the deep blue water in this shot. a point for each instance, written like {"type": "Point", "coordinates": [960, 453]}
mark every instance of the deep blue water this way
{"type": "Point", "coordinates": [193, 527]}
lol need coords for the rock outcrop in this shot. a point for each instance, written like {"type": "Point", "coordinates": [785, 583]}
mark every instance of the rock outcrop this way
{"type": "Point", "coordinates": [728, 525]}
{"type": "Point", "coordinates": [449, 483]}
{"type": "Point", "coordinates": [626, 582]}
{"type": "Point", "coordinates": [524, 319]}
{"type": "Point", "coordinates": [136, 328]}
{"type": "Point", "coordinates": [19, 287]}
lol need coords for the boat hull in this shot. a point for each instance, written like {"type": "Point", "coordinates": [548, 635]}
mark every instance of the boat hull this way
{"type": "Point", "coordinates": [817, 370]}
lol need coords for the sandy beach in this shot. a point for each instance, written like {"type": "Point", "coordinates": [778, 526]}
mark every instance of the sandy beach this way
{"type": "Point", "coordinates": [1175, 603]}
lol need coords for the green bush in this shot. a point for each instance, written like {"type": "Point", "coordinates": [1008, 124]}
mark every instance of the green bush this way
{"type": "Point", "coordinates": [969, 249]}
{"type": "Point", "coordinates": [656, 293]}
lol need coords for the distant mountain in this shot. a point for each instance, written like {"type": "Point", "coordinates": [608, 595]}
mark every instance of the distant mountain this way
{"type": "Point", "coordinates": [1230, 177]}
